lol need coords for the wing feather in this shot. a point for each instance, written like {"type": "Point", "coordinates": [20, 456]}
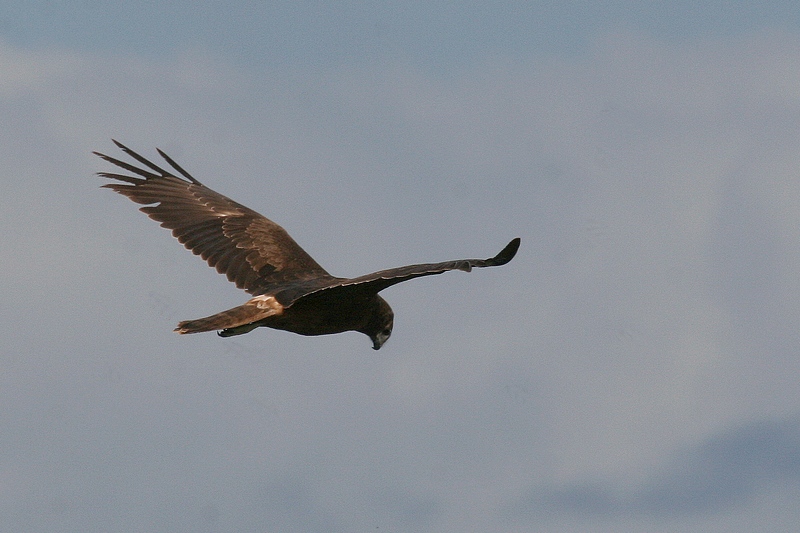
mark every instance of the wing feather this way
{"type": "Point", "coordinates": [377, 281]}
{"type": "Point", "coordinates": [255, 253]}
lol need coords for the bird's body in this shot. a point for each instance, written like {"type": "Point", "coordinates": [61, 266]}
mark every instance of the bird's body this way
{"type": "Point", "coordinates": [318, 314]}
{"type": "Point", "coordinates": [290, 290]}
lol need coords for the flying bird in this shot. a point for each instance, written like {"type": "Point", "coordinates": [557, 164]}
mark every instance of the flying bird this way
{"type": "Point", "coordinates": [290, 290]}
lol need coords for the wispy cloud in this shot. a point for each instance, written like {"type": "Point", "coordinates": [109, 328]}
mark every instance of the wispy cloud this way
{"type": "Point", "coordinates": [726, 471]}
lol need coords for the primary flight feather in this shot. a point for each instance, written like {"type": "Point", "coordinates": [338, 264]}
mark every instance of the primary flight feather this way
{"type": "Point", "coordinates": [290, 290]}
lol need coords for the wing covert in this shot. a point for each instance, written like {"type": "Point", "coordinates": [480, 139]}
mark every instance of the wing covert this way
{"type": "Point", "coordinates": [377, 281]}
{"type": "Point", "coordinates": [253, 252]}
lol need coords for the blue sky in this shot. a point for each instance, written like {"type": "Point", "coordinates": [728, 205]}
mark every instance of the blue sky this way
{"type": "Point", "coordinates": [312, 34]}
{"type": "Point", "coordinates": [633, 369]}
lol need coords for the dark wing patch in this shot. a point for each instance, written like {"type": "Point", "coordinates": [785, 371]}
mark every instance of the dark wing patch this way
{"type": "Point", "coordinates": [255, 253]}
{"type": "Point", "coordinates": [377, 281]}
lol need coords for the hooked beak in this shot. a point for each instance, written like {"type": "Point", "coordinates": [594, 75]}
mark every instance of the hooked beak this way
{"type": "Point", "coordinates": [380, 338]}
{"type": "Point", "coordinates": [378, 341]}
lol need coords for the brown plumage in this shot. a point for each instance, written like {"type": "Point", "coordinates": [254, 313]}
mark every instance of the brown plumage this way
{"type": "Point", "coordinates": [290, 290]}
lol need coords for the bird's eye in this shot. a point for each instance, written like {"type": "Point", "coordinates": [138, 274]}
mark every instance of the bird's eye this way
{"type": "Point", "coordinates": [386, 332]}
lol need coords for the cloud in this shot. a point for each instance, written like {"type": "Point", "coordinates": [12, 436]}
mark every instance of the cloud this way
{"type": "Point", "coordinates": [726, 471]}
{"type": "Point", "coordinates": [24, 70]}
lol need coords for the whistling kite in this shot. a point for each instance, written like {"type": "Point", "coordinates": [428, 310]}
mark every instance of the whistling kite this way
{"type": "Point", "coordinates": [290, 290]}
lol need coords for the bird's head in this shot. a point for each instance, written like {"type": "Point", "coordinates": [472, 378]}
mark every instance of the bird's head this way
{"type": "Point", "coordinates": [379, 328]}
{"type": "Point", "coordinates": [382, 336]}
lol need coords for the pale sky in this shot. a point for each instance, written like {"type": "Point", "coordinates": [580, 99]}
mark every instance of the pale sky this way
{"type": "Point", "coordinates": [634, 368]}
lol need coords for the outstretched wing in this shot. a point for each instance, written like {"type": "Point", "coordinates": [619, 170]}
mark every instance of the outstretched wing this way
{"type": "Point", "coordinates": [377, 281]}
{"type": "Point", "coordinates": [252, 251]}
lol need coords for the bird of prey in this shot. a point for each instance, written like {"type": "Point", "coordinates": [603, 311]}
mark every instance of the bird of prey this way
{"type": "Point", "coordinates": [290, 290]}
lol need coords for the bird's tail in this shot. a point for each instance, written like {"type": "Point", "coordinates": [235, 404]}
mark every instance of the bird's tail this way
{"type": "Point", "coordinates": [239, 319]}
